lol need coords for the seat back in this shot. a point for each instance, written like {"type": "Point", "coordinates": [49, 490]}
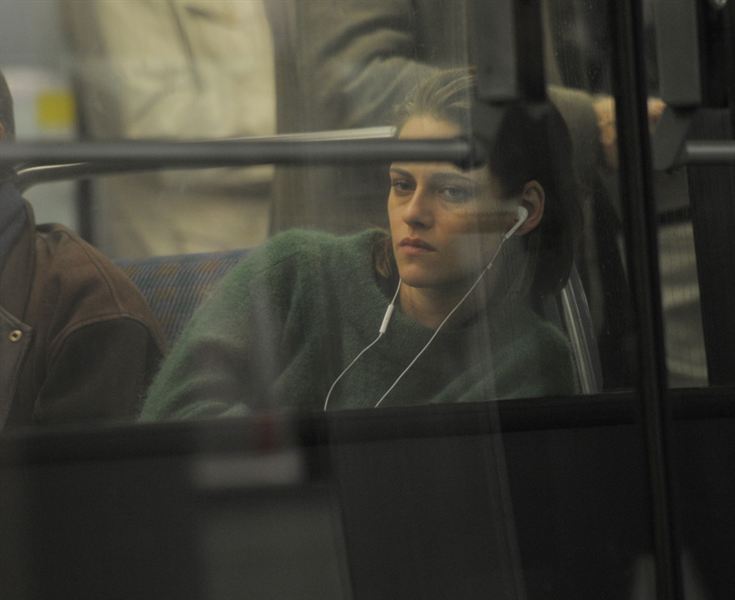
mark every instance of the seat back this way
{"type": "Point", "coordinates": [174, 286]}
{"type": "Point", "coordinates": [580, 330]}
{"type": "Point", "coordinates": [570, 311]}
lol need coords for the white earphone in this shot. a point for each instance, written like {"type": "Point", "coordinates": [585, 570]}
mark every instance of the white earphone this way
{"type": "Point", "coordinates": [522, 216]}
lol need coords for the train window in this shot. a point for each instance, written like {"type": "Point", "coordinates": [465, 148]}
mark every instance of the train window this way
{"type": "Point", "coordinates": [350, 298]}
{"type": "Point", "coordinates": [561, 322]}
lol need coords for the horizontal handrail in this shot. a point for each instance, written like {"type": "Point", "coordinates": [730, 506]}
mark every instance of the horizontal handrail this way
{"type": "Point", "coordinates": [708, 152]}
{"type": "Point", "coordinates": [76, 159]}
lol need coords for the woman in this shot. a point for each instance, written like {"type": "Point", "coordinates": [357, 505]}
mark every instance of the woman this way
{"type": "Point", "coordinates": [303, 321]}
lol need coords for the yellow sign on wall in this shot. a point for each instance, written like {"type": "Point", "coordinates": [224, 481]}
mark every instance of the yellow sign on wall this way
{"type": "Point", "coordinates": [55, 109]}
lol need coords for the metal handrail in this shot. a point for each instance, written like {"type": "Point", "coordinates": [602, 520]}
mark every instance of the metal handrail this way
{"type": "Point", "coordinates": [49, 161]}
{"type": "Point", "coordinates": [708, 152]}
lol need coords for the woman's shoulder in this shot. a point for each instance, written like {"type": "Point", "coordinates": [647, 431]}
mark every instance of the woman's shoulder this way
{"type": "Point", "coordinates": [536, 357]}
{"type": "Point", "coordinates": [301, 247]}
{"type": "Point", "coordinates": [300, 254]}
{"type": "Point", "coordinates": [551, 355]}
{"type": "Point", "coordinates": [310, 241]}
{"type": "Point", "coordinates": [539, 333]}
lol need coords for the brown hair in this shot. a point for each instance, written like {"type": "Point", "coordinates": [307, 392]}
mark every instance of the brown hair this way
{"type": "Point", "coordinates": [531, 143]}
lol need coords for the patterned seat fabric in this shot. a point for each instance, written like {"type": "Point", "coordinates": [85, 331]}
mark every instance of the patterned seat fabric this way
{"type": "Point", "coordinates": [175, 285]}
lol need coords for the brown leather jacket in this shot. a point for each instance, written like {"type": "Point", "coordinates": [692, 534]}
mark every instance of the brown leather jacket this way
{"type": "Point", "coordinates": [77, 340]}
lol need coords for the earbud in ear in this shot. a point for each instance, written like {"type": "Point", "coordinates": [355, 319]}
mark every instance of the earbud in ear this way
{"type": "Point", "coordinates": [521, 216]}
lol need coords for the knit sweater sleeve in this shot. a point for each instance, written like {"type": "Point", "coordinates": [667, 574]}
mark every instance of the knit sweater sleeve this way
{"type": "Point", "coordinates": [230, 353]}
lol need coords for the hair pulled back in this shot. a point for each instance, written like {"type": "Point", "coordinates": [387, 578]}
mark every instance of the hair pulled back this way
{"type": "Point", "coordinates": [531, 143]}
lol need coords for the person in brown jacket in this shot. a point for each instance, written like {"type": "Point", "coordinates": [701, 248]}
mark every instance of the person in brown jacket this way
{"type": "Point", "coordinates": [77, 341]}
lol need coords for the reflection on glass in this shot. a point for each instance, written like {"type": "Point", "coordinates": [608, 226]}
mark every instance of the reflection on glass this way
{"type": "Point", "coordinates": [192, 92]}
{"type": "Point", "coordinates": [297, 324]}
{"type": "Point", "coordinates": [433, 499]}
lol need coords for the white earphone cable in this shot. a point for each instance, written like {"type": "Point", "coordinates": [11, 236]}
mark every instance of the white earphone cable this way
{"type": "Point", "coordinates": [383, 329]}
{"type": "Point", "coordinates": [522, 212]}
{"type": "Point", "coordinates": [451, 312]}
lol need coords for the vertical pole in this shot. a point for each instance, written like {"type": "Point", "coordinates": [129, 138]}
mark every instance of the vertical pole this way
{"type": "Point", "coordinates": [85, 211]}
{"type": "Point", "coordinates": [639, 215]}
{"type": "Point", "coordinates": [506, 47]}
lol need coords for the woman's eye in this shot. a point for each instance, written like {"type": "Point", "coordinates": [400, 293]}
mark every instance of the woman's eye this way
{"type": "Point", "coordinates": [456, 194]}
{"type": "Point", "coordinates": [402, 186]}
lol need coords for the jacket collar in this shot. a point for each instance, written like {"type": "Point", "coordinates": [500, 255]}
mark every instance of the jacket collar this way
{"type": "Point", "coordinates": [17, 249]}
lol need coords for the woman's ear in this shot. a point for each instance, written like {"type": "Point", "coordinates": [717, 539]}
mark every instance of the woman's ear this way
{"type": "Point", "coordinates": [533, 199]}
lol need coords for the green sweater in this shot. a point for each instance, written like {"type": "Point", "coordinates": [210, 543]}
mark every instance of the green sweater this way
{"type": "Point", "coordinates": [285, 322]}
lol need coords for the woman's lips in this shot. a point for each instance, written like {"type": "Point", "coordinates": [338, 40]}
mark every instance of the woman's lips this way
{"type": "Point", "coordinates": [415, 246]}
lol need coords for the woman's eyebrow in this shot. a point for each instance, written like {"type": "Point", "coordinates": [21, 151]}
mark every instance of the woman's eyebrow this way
{"type": "Point", "coordinates": [451, 177]}
{"type": "Point", "coordinates": [438, 178]}
{"type": "Point", "coordinates": [399, 171]}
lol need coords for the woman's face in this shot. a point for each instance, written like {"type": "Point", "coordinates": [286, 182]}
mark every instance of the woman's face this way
{"type": "Point", "coordinates": [445, 222]}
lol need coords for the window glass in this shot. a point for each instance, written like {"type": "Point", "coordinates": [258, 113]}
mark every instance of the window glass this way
{"type": "Point", "coordinates": [682, 312]}
{"type": "Point", "coordinates": [553, 305]}
{"type": "Point", "coordinates": [387, 378]}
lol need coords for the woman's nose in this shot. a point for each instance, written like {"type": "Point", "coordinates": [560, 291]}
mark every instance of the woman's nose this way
{"type": "Point", "coordinates": [419, 210]}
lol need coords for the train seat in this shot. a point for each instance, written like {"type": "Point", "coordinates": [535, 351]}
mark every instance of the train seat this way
{"type": "Point", "coordinates": [174, 286]}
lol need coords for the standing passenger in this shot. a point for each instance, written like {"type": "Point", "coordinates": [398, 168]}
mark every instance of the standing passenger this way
{"type": "Point", "coordinates": [77, 341]}
{"type": "Point", "coordinates": [178, 70]}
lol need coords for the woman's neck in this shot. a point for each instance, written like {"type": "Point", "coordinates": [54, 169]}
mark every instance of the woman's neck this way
{"type": "Point", "coordinates": [428, 306]}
